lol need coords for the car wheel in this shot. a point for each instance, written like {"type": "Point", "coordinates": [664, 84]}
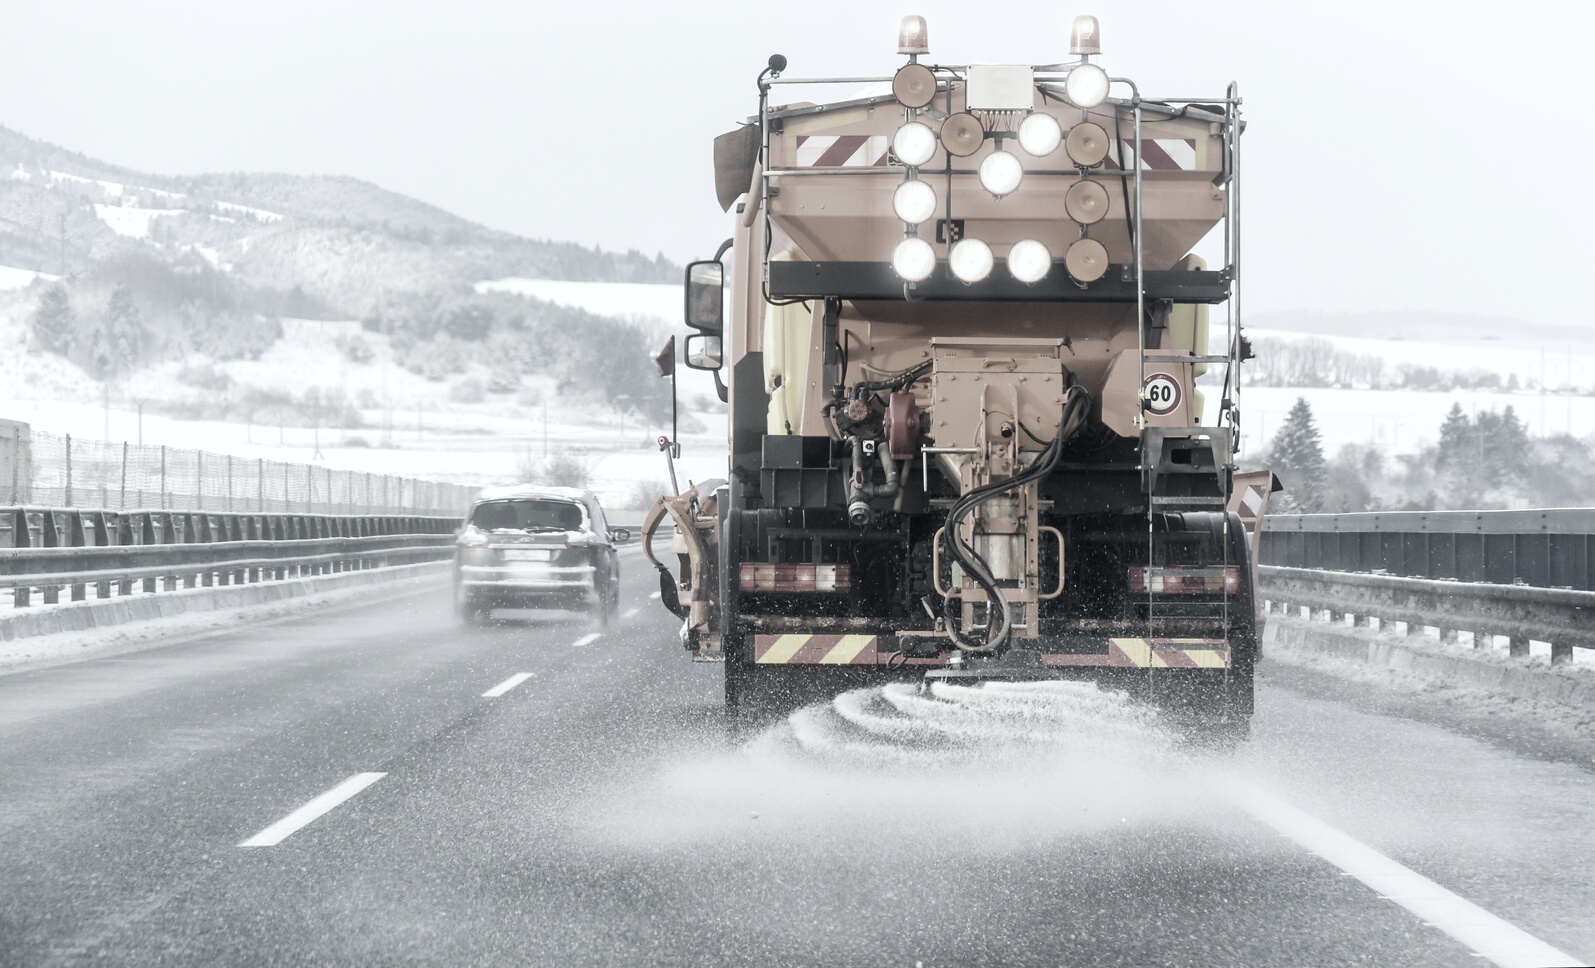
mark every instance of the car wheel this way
{"type": "Point", "coordinates": [468, 607]}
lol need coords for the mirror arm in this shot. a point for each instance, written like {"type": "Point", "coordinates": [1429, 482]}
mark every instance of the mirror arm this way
{"type": "Point", "coordinates": [720, 388]}
{"type": "Point", "coordinates": [720, 252]}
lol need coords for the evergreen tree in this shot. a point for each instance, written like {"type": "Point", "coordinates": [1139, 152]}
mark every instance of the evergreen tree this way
{"type": "Point", "coordinates": [1456, 434]}
{"type": "Point", "coordinates": [1511, 445]}
{"type": "Point", "coordinates": [119, 341]}
{"type": "Point", "coordinates": [54, 323]}
{"type": "Point", "coordinates": [1298, 459]}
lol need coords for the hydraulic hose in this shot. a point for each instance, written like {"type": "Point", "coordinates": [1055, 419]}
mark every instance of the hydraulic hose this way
{"type": "Point", "coordinates": [1075, 407]}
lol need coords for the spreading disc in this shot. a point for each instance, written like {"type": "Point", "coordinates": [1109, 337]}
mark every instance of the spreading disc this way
{"type": "Point", "coordinates": [1087, 144]}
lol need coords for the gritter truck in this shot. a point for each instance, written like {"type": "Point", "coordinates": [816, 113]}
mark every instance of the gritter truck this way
{"type": "Point", "coordinates": [959, 326]}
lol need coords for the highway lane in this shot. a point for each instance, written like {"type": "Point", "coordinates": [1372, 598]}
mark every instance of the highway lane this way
{"type": "Point", "coordinates": [598, 811]}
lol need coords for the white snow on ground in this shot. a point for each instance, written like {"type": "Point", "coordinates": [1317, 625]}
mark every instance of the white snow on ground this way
{"type": "Point", "coordinates": [258, 214]}
{"type": "Point", "coordinates": [60, 647]}
{"type": "Point", "coordinates": [110, 188]}
{"type": "Point", "coordinates": [131, 222]}
{"type": "Point", "coordinates": [12, 278]}
{"type": "Point", "coordinates": [1399, 421]}
{"type": "Point", "coordinates": [1556, 717]}
{"type": "Point", "coordinates": [409, 426]}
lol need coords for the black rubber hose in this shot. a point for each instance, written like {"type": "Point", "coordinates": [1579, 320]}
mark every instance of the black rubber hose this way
{"type": "Point", "coordinates": [897, 380]}
{"type": "Point", "coordinates": [1075, 408]}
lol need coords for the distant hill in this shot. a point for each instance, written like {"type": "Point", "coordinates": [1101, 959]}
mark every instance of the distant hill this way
{"type": "Point", "coordinates": [1424, 326]}
{"type": "Point", "coordinates": [153, 268]}
{"type": "Point", "coordinates": [342, 241]}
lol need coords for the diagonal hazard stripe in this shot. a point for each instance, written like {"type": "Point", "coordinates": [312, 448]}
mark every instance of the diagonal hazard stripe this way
{"type": "Point", "coordinates": [1137, 651]}
{"type": "Point", "coordinates": [848, 649]}
{"type": "Point", "coordinates": [782, 650]}
{"type": "Point", "coordinates": [838, 153]}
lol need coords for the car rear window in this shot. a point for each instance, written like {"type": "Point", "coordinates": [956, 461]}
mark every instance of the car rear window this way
{"type": "Point", "coordinates": [527, 515]}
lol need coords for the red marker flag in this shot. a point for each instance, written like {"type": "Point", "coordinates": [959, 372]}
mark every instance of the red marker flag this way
{"type": "Point", "coordinates": [666, 360]}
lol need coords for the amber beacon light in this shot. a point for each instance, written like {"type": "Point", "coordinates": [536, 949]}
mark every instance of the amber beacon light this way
{"type": "Point", "coordinates": [912, 37]}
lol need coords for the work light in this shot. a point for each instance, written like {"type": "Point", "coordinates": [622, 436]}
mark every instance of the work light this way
{"type": "Point", "coordinates": [914, 259]}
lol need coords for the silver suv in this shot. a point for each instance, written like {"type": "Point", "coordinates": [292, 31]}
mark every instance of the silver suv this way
{"type": "Point", "coordinates": [536, 547]}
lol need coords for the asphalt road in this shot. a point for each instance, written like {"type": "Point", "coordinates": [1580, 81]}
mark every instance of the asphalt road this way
{"type": "Point", "coordinates": [599, 811]}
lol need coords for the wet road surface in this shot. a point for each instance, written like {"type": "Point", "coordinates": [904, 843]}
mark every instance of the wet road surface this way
{"type": "Point", "coordinates": [533, 793]}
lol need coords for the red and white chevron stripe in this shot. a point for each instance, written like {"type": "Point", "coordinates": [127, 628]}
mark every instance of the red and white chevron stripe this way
{"type": "Point", "coordinates": [841, 151]}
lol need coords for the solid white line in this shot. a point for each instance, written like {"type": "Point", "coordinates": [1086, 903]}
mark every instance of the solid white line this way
{"type": "Point", "coordinates": [279, 831]}
{"type": "Point", "coordinates": [506, 685]}
{"type": "Point", "coordinates": [1487, 935]}
{"type": "Point", "coordinates": [654, 596]}
{"type": "Point", "coordinates": [587, 639]}
{"type": "Point", "coordinates": [629, 613]}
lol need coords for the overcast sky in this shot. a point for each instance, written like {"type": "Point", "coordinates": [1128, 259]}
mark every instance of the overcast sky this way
{"type": "Point", "coordinates": [1398, 156]}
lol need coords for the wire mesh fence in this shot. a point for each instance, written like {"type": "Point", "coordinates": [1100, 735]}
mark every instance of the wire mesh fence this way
{"type": "Point", "coordinates": [45, 470]}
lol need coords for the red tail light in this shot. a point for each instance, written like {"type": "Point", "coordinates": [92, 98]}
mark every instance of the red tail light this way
{"type": "Point", "coordinates": [757, 577]}
{"type": "Point", "coordinates": [1185, 581]}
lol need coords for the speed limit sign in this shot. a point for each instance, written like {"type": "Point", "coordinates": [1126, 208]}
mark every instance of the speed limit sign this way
{"type": "Point", "coordinates": [1162, 394]}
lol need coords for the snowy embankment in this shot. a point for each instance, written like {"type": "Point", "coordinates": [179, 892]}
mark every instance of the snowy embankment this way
{"type": "Point", "coordinates": [1483, 683]}
{"type": "Point", "coordinates": [407, 425]}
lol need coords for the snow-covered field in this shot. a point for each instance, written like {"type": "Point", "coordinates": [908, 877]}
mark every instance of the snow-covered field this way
{"type": "Point", "coordinates": [410, 426]}
{"type": "Point", "coordinates": [1399, 421]}
{"type": "Point", "coordinates": [131, 222]}
{"type": "Point", "coordinates": [13, 278]}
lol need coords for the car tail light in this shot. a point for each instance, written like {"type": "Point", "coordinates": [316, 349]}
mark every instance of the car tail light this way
{"type": "Point", "coordinates": [472, 539]}
{"type": "Point", "coordinates": [1185, 581]}
{"type": "Point", "coordinates": [758, 577]}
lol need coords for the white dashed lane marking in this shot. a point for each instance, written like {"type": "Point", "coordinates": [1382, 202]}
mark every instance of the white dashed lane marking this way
{"type": "Point", "coordinates": [654, 595]}
{"type": "Point", "coordinates": [506, 685]}
{"type": "Point", "coordinates": [279, 831]}
{"type": "Point", "coordinates": [587, 639]}
{"type": "Point", "coordinates": [629, 613]}
{"type": "Point", "coordinates": [1483, 933]}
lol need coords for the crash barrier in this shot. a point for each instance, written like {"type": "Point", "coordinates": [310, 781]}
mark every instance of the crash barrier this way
{"type": "Point", "coordinates": [1547, 548]}
{"type": "Point", "coordinates": [1563, 617]}
{"type": "Point", "coordinates": [47, 549]}
{"type": "Point", "coordinates": [43, 469]}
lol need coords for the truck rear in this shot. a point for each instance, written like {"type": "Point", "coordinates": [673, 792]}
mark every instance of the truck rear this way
{"type": "Point", "coordinates": [959, 325]}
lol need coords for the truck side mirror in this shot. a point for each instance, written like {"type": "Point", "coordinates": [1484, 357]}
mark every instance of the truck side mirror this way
{"type": "Point", "coordinates": [703, 352]}
{"type": "Point", "coordinates": [706, 298]}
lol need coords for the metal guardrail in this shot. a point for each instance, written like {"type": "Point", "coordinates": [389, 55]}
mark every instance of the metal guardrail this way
{"type": "Point", "coordinates": [1563, 617]}
{"type": "Point", "coordinates": [1545, 548]}
{"type": "Point", "coordinates": [48, 549]}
